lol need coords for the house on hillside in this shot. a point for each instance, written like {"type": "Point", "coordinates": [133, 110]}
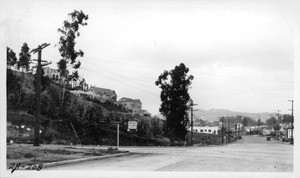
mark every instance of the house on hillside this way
{"type": "Point", "coordinates": [143, 112]}
{"type": "Point", "coordinates": [54, 74]}
{"type": "Point", "coordinates": [104, 94]}
{"type": "Point", "coordinates": [133, 105]}
{"type": "Point", "coordinates": [79, 84]}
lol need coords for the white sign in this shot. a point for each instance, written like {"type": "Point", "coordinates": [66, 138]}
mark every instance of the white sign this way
{"type": "Point", "coordinates": [132, 124]}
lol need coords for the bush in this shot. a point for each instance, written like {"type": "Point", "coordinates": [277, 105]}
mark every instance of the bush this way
{"type": "Point", "coordinates": [50, 135]}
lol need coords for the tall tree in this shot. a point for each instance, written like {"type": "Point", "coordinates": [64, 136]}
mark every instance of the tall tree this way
{"type": "Point", "coordinates": [11, 58]}
{"type": "Point", "coordinates": [69, 55]}
{"type": "Point", "coordinates": [24, 58]}
{"type": "Point", "coordinates": [143, 128]}
{"type": "Point", "coordinates": [259, 123]}
{"type": "Point", "coordinates": [287, 118]}
{"type": "Point", "coordinates": [245, 121]}
{"type": "Point", "coordinates": [156, 129]}
{"type": "Point", "coordinates": [271, 121]}
{"type": "Point", "coordinates": [175, 97]}
{"type": "Point", "coordinates": [12, 81]}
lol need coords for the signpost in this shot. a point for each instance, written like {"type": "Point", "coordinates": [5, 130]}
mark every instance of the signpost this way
{"type": "Point", "coordinates": [118, 133]}
{"type": "Point", "coordinates": [132, 125]}
{"type": "Point", "coordinates": [118, 136]}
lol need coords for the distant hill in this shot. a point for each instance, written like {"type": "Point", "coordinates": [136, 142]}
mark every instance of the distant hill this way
{"type": "Point", "coordinates": [213, 114]}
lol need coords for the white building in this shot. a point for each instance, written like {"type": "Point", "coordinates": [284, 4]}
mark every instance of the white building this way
{"type": "Point", "coordinates": [51, 73]}
{"type": "Point", "coordinates": [206, 129]}
{"type": "Point", "coordinates": [133, 105]}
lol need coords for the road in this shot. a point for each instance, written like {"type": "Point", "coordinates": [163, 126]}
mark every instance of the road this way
{"type": "Point", "coordinates": [251, 154]}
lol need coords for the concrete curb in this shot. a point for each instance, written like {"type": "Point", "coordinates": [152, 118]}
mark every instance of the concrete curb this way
{"type": "Point", "coordinates": [59, 163]}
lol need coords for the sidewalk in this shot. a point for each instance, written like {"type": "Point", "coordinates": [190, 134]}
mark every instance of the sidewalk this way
{"type": "Point", "coordinates": [54, 155]}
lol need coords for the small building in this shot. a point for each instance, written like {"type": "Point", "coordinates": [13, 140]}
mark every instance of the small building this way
{"type": "Point", "coordinates": [79, 84]}
{"type": "Point", "coordinates": [143, 112]}
{"type": "Point", "coordinates": [206, 129]}
{"type": "Point", "coordinates": [51, 73]}
{"type": "Point", "coordinates": [289, 132]}
{"type": "Point", "coordinates": [267, 130]}
{"type": "Point", "coordinates": [104, 94]}
{"type": "Point", "coordinates": [133, 105]}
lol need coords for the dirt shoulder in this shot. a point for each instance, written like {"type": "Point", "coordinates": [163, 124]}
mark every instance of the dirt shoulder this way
{"type": "Point", "coordinates": [29, 154]}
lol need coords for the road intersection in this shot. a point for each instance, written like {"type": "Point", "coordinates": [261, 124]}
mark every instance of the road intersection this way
{"type": "Point", "coordinates": [251, 154]}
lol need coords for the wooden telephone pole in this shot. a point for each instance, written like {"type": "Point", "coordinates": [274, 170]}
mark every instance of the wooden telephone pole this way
{"type": "Point", "coordinates": [192, 122]}
{"type": "Point", "coordinates": [292, 134]}
{"type": "Point", "coordinates": [36, 141]}
{"type": "Point", "coordinates": [222, 129]}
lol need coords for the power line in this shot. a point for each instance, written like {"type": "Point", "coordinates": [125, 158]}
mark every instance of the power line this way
{"type": "Point", "coordinates": [128, 85]}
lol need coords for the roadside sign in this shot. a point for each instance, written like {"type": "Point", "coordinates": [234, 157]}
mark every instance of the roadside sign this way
{"type": "Point", "coordinates": [132, 125]}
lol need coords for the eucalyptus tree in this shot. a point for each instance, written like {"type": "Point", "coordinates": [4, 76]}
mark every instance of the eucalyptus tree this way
{"type": "Point", "coordinates": [69, 32]}
{"type": "Point", "coordinates": [11, 58]}
{"type": "Point", "coordinates": [175, 98]}
{"type": "Point", "coordinates": [24, 58]}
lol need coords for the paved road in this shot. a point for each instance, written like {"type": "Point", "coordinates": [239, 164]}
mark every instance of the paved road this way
{"type": "Point", "coordinates": [251, 154]}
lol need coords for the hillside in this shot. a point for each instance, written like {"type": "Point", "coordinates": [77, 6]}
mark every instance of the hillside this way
{"type": "Point", "coordinates": [213, 114]}
{"type": "Point", "coordinates": [75, 119]}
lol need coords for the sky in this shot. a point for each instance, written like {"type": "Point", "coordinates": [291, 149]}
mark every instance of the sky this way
{"type": "Point", "coordinates": [241, 53]}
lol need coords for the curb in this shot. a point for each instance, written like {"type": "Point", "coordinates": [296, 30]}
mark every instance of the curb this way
{"type": "Point", "coordinates": [59, 163]}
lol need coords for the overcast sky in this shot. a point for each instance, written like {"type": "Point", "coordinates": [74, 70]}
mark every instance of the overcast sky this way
{"type": "Point", "coordinates": [241, 53]}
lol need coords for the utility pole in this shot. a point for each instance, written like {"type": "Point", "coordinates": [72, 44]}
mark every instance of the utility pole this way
{"type": "Point", "coordinates": [235, 130]}
{"type": "Point", "coordinates": [292, 138]}
{"type": "Point", "coordinates": [239, 130]}
{"type": "Point", "coordinates": [38, 91]}
{"type": "Point", "coordinates": [222, 121]}
{"type": "Point", "coordinates": [192, 122]}
{"type": "Point", "coordinates": [228, 127]}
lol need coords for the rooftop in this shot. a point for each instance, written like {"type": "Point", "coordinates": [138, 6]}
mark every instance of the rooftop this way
{"type": "Point", "coordinates": [124, 99]}
{"type": "Point", "coordinates": [106, 91]}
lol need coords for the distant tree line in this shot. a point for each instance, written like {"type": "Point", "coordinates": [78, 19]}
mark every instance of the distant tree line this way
{"type": "Point", "coordinates": [285, 118]}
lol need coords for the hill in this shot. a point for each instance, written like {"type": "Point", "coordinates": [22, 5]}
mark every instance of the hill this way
{"type": "Point", "coordinates": [214, 114]}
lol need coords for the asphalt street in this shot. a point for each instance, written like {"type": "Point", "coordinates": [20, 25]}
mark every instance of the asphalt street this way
{"type": "Point", "coordinates": [250, 154]}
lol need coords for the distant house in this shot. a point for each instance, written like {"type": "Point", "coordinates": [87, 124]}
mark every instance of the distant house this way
{"type": "Point", "coordinates": [133, 105]}
{"type": "Point", "coordinates": [266, 131]}
{"type": "Point", "coordinates": [206, 129]}
{"type": "Point", "coordinates": [289, 132]}
{"type": "Point", "coordinates": [143, 113]}
{"type": "Point", "coordinates": [51, 73]}
{"type": "Point", "coordinates": [251, 128]}
{"type": "Point", "coordinates": [277, 131]}
{"type": "Point", "coordinates": [239, 125]}
{"type": "Point", "coordinates": [79, 84]}
{"type": "Point", "coordinates": [104, 94]}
